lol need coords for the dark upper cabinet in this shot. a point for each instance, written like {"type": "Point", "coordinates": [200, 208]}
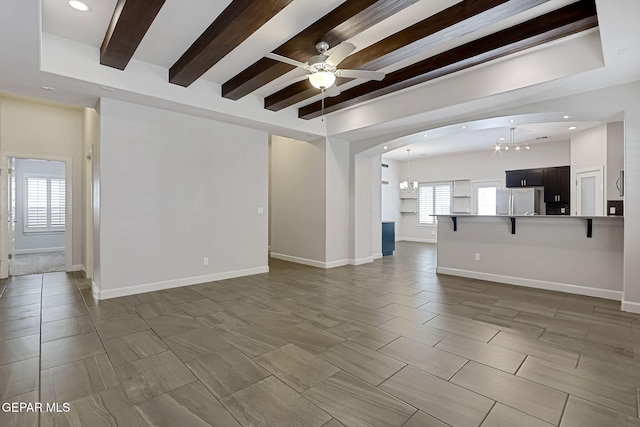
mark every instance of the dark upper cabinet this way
{"type": "Point", "coordinates": [557, 183]}
{"type": "Point", "coordinates": [525, 178]}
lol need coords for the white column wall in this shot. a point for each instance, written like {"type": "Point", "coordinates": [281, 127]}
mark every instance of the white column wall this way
{"type": "Point", "coordinates": [298, 201]}
{"type": "Point", "coordinates": [361, 210]}
{"type": "Point", "coordinates": [376, 207]}
{"type": "Point", "coordinates": [91, 133]}
{"type": "Point", "coordinates": [337, 202]}
{"type": "Point", "coordinates": [631, 293]}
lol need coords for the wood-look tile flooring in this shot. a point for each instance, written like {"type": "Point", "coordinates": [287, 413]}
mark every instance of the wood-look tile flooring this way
{"type": "Point", "coordinates": [385, 344]}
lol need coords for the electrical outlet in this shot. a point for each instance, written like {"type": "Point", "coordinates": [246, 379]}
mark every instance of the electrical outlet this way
{"type": "Point", "coordinates": [205, 261]}
{"type": "Point", "coordinates": [260, 211]}
{"type": "Point", "coordinates": [477, 257]}
{"type": "Point", "coordinates": [433, 233]}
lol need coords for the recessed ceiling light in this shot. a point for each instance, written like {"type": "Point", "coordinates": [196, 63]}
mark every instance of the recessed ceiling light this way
{"type": "Point", "coordinates": [502, 138]}
{"type": "Point", "coordinates": [425, 135]}
{"type": "Point", "coordinates": [464, 127]}
{"type": "Point", "coordinates": [566, 117]}
{"type": "Point", "coordinates": [385, 148]}
{"type": "Point", "coordinates": [511, 121]}
{"type": "Point", "coordinates": [78, 5]}
{"type": "Point", "coordinates": [48, 88]}
{"type": "Point", "coordinates": [572, 128]}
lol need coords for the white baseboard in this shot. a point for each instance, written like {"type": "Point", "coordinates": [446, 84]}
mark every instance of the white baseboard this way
{"type": "Point", "coordinates": [416, 239]}
{"type": "Point", "coordinates": [339, 263]}
{"type": "Point", "coordinates": [361, 261]}
{"type": "Point", "coordinates": [95, 289]}
{"type": "Point", "coordinates": [311, 262]}
{"type": "Point", "coordinates": [377, 256]}
{"type": "Point", "coordinates": [77, 267]}
{"type": "Point", "coordinates": [175, 283]}
{"type": "Point", "coordinates": [37, 250]}
{"type": "Point", "coordinates": [533, 283]}
{"type": "Point", "coordinates": [631, 307]}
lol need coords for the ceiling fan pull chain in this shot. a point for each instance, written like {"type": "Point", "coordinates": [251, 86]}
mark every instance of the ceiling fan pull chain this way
{"type": "Point", "coordinates": [322, 112]}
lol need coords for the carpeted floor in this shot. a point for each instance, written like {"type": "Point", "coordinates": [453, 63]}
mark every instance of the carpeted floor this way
{"type": "Point", "coordinates": [46, 262]}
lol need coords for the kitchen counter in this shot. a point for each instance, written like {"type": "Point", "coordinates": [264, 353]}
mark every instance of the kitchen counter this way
{"type": "Point", "coordinates": [574, 254]}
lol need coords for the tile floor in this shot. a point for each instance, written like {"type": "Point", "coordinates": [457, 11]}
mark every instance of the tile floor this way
{"type": "Point", "coordinates": [384, 344]}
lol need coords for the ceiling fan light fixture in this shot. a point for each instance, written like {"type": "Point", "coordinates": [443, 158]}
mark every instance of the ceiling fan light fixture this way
{"type": "Point", "coordinates": [322, 79]}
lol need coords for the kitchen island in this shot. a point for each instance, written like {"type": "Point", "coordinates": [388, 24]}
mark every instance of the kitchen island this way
{"type": "Point", "coordinates": [579, 255]}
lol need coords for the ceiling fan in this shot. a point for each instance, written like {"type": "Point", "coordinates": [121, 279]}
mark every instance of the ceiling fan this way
{"type": "Point", "coordinates": [323, 69]}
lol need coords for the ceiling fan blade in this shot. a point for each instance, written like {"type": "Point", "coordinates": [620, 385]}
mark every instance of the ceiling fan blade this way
{"type": "Point", "coordinates": [333, 91]}
{"type": "Point", "coordinates": [343, 50]}
{"type": "Point", "coordinates": [281, 85]}
{"type": "Point", "coordinates": [286, 60]}
{"type": "Point", "coordinates": [361, 74]}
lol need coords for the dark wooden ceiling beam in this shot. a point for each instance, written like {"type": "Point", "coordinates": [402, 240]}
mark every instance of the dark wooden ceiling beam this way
{"type": "Point", "coordinates": [237, 22]}
{"type": "Point", "coordinates": [571, 19]}
{"type": "Point", "coordinates": [460, 19]}
{"type": "Point", "coordinates": [342, 23]}
{"type": "Point", "coordinates": [129, 23]}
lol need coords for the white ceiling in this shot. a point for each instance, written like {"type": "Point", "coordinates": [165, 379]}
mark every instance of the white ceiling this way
{"type": "Point", "coordinates": [46, 43]}
{"type": "Point", "coordinates": [456, 139]}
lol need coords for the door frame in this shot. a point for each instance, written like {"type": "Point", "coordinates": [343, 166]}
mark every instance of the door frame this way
{"type": "Point", "coordinates": [4, 206]}
{"type": "Point", "coordinates": [600, 210]}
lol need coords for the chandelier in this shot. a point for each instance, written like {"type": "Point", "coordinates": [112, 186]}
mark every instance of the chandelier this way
{"type": "Point", "coordinates": [407, 185]}
{"type": "Point", "coordinates": [512, 143]}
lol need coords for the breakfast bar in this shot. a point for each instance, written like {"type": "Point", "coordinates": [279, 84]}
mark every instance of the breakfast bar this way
{"type": "Point", "coordinates": [574, 254]}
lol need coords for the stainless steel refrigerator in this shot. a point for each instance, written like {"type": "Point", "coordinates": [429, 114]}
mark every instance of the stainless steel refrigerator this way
{"type": "Point", "coordinates": [518, 201]}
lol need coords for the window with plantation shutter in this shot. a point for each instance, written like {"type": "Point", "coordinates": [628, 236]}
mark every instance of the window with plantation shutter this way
{"type": "Point", "coordinates": [433, 199]}
{"type": "Point", "coordinates": [44, 207]}
{"type": "Point", "coordinates": [57, 205]}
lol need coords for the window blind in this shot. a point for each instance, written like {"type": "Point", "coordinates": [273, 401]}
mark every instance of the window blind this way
{"type": "Point", "coordinates": [433, 199]}
{"type": "Point", "coordinates": [45, 203]}
{"type": "Point", "coordinates": [36, 203]}
{"type": "Point", "coordinates": [57, 202]}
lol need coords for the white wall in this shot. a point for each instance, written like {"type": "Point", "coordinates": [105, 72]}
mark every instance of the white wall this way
{"type": "Point", "coordinates": [361, 176]}
{"type": "Point", "coordinates": [631, 299]}
{"type": "Point", "coordinates": [173, 190]}
{"type": "Point", "coordinates": [91, 134]}
{"type": "Point", "coordinates": [34, 242]}
{"type": "Point", "coordinates": [376, 207]}
{"type": "Point", "coordinates": [298, 200]}
{"type": "Point", "coordinates": [589, 152]}
{"type": "Point", "coordinates": [615, 158]}
{"type": "Point", "coordinates": [337, 202]}
{"type": "Point", "coordinates": [391, 191]}
{"type": "Point", "coordinates": [96, 206]}
{"type": "Point", "coordinates": [546, 252]}
{"type": "Point", "coordinates": [486, 165]}
{"type": "Point", "coordinates": [37, 130]}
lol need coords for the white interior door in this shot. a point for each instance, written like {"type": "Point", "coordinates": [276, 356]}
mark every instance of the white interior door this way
{"type": "Point", "coordinates": [590, 193]}
{"type": "Point", "coordinates": [484, 197]}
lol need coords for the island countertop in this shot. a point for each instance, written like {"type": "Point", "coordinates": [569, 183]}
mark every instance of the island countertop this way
{"type": "Point", "coordinates": [573, 254]}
